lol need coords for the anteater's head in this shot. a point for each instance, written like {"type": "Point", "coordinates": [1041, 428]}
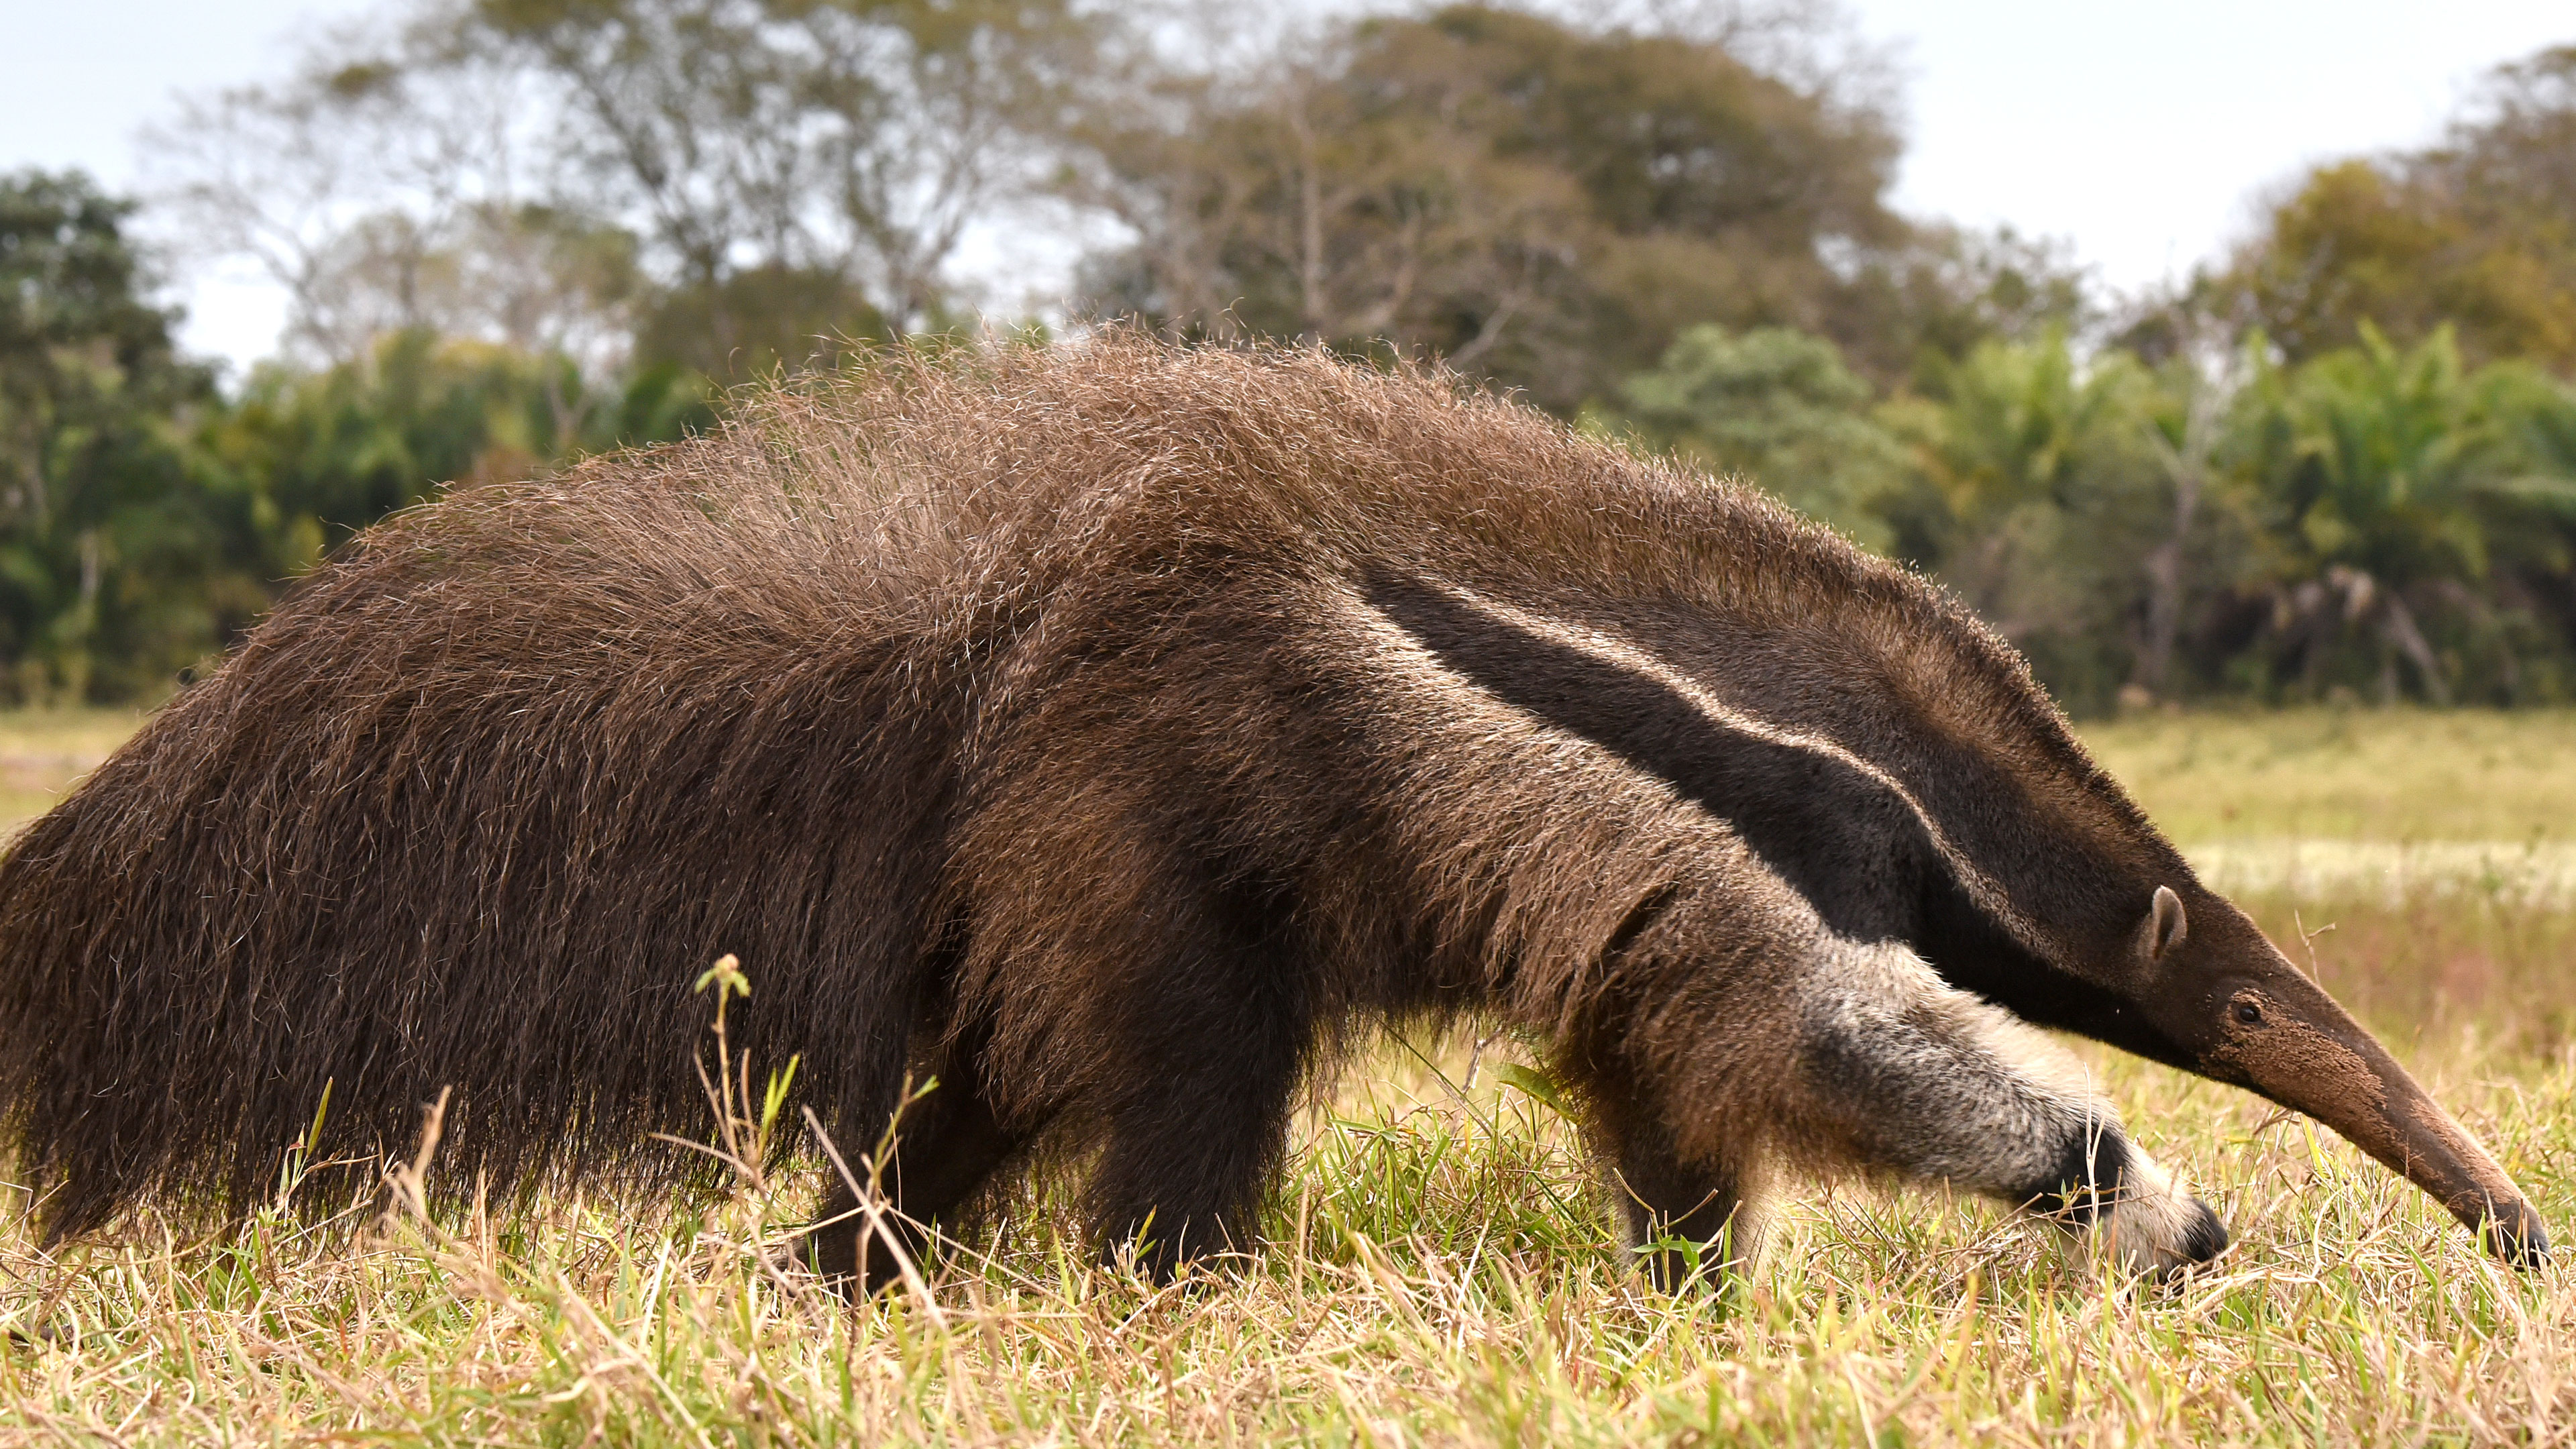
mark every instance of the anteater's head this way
{"type": "Point", "coordinates": [2233, 1008]}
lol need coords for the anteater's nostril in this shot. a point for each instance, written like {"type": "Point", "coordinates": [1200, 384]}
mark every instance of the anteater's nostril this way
{"type": "Point", "coordinates": [2517, 1238]}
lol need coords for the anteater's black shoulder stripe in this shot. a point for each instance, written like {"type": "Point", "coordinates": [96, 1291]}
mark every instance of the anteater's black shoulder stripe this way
{"type": "Point", "coordinates": [1840, 835]}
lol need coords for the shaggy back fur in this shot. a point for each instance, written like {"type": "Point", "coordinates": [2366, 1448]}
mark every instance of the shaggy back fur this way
{"type": "Point", "coordinates": [1108, 723]}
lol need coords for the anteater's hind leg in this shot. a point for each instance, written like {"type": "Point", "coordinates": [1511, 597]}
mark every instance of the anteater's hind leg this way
{"type": "Point", "coordinates": [1211, 1041]}
{"type": "Point", "coordinates": [943, 1149]}
{"type": "Point", "coordinates": [1189, 1152]}
{"type": "Point", "coordinates": [1897, 1070]}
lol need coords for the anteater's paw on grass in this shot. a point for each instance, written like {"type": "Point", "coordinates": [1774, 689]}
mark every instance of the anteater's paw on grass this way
{"type": "Point", "coordinates": [2156, 1229]}
{"type": "Point", "coordinates": [801, 1259]}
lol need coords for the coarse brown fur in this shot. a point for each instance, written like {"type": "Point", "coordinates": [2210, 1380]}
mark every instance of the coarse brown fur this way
{"type": "Point", "coordinates": [1105, 731]}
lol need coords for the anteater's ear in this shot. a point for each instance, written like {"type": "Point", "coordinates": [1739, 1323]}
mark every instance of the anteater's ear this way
{"type": "Point", "coordinates": [2166, 925]}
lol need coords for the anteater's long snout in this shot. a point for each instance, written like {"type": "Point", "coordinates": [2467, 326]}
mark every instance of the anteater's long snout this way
{"type": "Point", "coordinates": [2305, 1052]}
{"type": "Point", "coordinates": [2435, 1153]}
{"type": "Point", "coordinates": [2438, 1155]}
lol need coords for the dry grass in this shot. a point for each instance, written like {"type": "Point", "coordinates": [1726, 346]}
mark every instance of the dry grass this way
{"type": "Point", "coordinates": [2350, 774]}
{"type": "Point", "coordinates": [42, 752]}
{"type": "Point", "coordinates": [1441, 1271]}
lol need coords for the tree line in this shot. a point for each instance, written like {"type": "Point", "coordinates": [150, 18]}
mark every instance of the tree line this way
{"type": "Point", "coordinates": [513, 232]}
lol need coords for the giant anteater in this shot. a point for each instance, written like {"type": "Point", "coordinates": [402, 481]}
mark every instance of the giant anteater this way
{"type": "Point", "coordinates": [1106, 732]}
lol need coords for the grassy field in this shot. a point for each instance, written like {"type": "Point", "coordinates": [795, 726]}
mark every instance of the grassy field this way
{"type": "Point", "coordinates": [43, 751]}
{"type": "Point", "coordinates": [1441, 1268]}
{"type": "Point", "coordinates": [2394, 776]}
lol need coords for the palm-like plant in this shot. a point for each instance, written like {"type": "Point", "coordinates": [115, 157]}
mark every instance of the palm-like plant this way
{"type": "Point", "coordinates": [2393, 478]}
{"type": "Point", "coordinates": [2032, 454]}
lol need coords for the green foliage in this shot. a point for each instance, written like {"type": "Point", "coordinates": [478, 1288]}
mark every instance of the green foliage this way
{"type": "Point", "coordinates": [2375, 518]}
{"type": "Point", "coordinates": [1779, 409]}
{"type": "Point", "coordinates": [758, 322]}
{"type": "Point", "coordinates": [2036, 495]}
{"type": "Point", "coordinates": [2381, 460]}
{"type": "Point", "coordinates": [327, 453]}
{"type": "Point", "coordinates": [145, 519]}
{"type": "Point", "coordinates": [1542, 204]}
{"type": "Point", "coordinates": [2473, 234]}
{"type": "Point", "coordinates": [115, 567]}
{"type": "Point", "coordinates": [2397, 486]}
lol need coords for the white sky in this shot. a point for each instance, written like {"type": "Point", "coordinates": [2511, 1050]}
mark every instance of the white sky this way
{"type": "Point", "coordinates": [2144, 133]}
{"type": "Point", "coordinates": [80, 77]}
{"type": "Point", "coordinates": [2138, 132]}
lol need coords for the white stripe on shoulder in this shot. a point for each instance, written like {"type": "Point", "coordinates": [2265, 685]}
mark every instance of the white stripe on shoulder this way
{"type": "Point", "coordinates": [1625, 654]}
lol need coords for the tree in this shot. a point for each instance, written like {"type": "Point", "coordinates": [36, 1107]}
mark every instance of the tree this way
{"type": "Point", "coordinates": [802, 168]}
{"type": "Point", "coordinates": [527, 275]}
{"type": "Point", "coordinates": [382, 195]}
{"type": "Point", "coordinates": [738, 184]}
{"type": "Point", "coordinates": [328, 452]}
{"type": "Point", "coordinates": [2037, 494]}
{"type": "Point", "coordinates": [1779, 409]}
{"type": "Point", "coordinates": [2477, 234]}
{"type": "Point", "coordinates": [2189, 413]}
{"type": "Point", "coordinates": [1912, 311]}
{"type": "Point", "coordinates": [2396, 482]}
{"type": "Point", "coordinates": [116, 564]}
{"type": "Point", "coordinates": [1547, 206]}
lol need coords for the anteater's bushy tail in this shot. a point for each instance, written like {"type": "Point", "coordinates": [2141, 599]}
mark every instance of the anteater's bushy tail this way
{"type": "Point", "coordinates": [472, 809]}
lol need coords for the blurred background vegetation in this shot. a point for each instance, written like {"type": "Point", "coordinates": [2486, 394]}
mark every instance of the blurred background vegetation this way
{"type": "Point", "coordinates": [2340, 464]}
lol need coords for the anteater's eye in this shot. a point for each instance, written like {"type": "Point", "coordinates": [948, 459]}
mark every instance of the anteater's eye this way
{"type": "Point", "coordinates": [2248, 1013]}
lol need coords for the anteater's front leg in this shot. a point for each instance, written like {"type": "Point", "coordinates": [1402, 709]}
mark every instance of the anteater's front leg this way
{"type": "Point", "coordinates": [1688, 1215]}
{"type": "Point", "coordinates": [1901, 1072]}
